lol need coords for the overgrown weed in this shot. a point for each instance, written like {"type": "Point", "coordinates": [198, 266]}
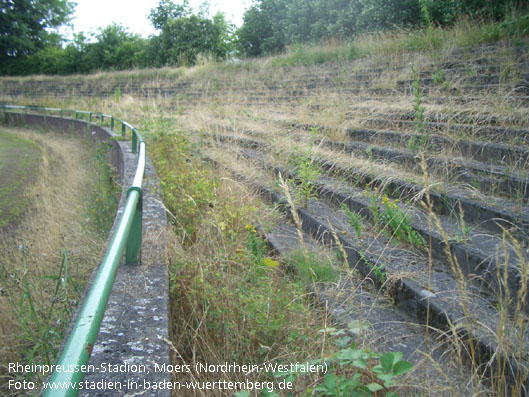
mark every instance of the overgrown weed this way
{"type": "Point", "coordinates": [238, 303]}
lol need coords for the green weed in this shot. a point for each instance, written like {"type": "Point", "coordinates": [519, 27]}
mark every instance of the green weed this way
{"type": "Point", "coordinates": [351, 371]}
{"type": "Point", "coordinates": [418, 117]}
{"type": "Point", "coordinates": [311, 267]}
{"type": "Point", "coordinates": [377, 270]}
{"type": "Point", "coordinates": [306, 170]}
{"type": "Point", "coordinates": [399, 224]}
{"type": "Point", "coordinates": [355, 219]}
{"type": "Point", "coordinates": [42, 324]}
{"type": "Point", "coordinates": [439, 76]}
{"type": "Point", "coordinates": [117, 94]}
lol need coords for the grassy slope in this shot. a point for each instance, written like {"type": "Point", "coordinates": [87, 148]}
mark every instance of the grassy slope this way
{"type": "Point", "coordinates": [19, 159]}
{"type": "Point", "coordinates": [46, 261]}
{"type": "Point", "coordinates": [213, 248]}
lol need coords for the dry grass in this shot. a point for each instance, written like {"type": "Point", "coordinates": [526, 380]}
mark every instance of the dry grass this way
{"type": "Point", "coordinates": [32, 254]}
{"type": "Point", "coordinates": [205, 273]}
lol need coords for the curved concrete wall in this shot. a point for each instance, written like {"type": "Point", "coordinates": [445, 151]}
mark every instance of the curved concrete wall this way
{"type": "Point", "coordinates": [134, 332]}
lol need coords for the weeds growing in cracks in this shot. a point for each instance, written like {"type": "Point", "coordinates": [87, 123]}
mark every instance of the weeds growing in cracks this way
{"type": "Point", "coordinates": [306, 170]}
{"type": "Point", "coordinates": [419, 122]}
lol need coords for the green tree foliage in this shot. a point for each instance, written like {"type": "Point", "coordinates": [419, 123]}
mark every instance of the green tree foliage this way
{"type": "Point", "coordinates": [263, 28]}
{"type": "Point", "coordinates": [114, 49]}
{"type": "Point", "coordinates": [270, 25]}
{"type": "Point", "coordinates": [25, 27]}
{"type": "Point", "coordinates": [379, 15]}
{"type": "Point", "coordinates": [167, 10]}
{"type": "Point", "coordinates": [446, 12]}
{"type": "Point", "coordinates": [185, 35]}
{"type": "Point", "coordinates": [28, 45]}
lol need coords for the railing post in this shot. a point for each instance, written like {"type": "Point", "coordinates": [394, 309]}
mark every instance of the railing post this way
{"type": "Point", "coordinates": [76, 115]}
{"type": "Point", "coordinates": [61, 114]}
{"type": "Point", "coordinates": [112, 123]}
{"type": "Point", "coordinates": [134, 143]}
{"type": "Point", "coordinates": [133, 247]}
{"type": "Point", "coordinates": [90, 117]}
{"type": "Point", "coordinates": [123, 128]}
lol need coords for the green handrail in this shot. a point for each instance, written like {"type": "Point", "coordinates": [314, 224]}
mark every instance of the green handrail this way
{"type": "Point", "coordinates": [127, 237]}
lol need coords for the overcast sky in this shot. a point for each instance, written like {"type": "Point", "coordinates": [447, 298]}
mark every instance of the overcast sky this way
{"type": "Point", "coordinates": [91, 14]}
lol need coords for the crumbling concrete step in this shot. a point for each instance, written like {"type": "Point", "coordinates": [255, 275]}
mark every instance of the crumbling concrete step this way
{"type": "Point", "coordinates": [483, 132]}
{"type": "Point", "coordinates": [433, 297]}
{"type": "Point", "coordinates": [390, 329]}
{"type": "Point", "coordinates": [478, 253]}
{"type": "Point", "coordinates": [494, 215]}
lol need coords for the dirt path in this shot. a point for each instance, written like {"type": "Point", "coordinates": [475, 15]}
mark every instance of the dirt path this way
{"type": "Point", "coordinates": [19, 160]}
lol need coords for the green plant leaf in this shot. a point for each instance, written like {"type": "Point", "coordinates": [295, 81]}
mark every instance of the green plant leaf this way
{"type": "Point", "coordinates": [357, 326]}
{"type": "Point", "coordinates": [348, 354]}
{"type": "Point", "coordinates": [402, 367]}
{"type": "Point", "coordinates": [397, 356]}
{"type": "Point", "coordinates": [374, 387]}
{"type": "Point", "coordinates": [386, 378]}
{"type": "Point", "coordinates": [270, 262]}
{"type": "Point", "coordinates": [343, 342]}
{"type": "Point", "coordinates": [387, 362]}
{"type": "Point", "coordinates": [330, 383]}
{"type": "Point", "coordinates": [360, 363]}
{"type": "Point", "coordinates": [242, 393]}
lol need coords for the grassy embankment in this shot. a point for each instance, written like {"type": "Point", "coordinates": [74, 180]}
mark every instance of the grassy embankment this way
{"type": "Point", "coordinates": [48, 254]}
{"type": "Point", "coordinates": [229, 301]}
{"type": "Point", "coordinates": [19, 160]}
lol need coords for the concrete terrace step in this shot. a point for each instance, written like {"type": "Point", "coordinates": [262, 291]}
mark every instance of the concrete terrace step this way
{"type": "Point", "coordinates": [492, 214]}
{"type": "Point", "coordinates": [486, 152]}
{"type": "Point", "coordinates": [478, 253]}
{"type": "Point", "coordinates": [487, 178]}
{"type": "Point", "coordinates": [461, 117]}
{"type": "Point", "coordinates": [436, 290]}
{"type": "Point", "coordinates": [489, 133]}
{"type": "Point", "coordinates": [354, 299]}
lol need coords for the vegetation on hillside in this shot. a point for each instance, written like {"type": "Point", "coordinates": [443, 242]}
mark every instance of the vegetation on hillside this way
{"type": "Point", "coordinates": [19, 161]}
{"type": "Point", "coordinates": [48, 257]}
{"type": "Point", "coordinates": [186, 36]}
{"type": "Point", "coordinates": [270, 25]}
{"type": "Point", "coordinates": [241, 304]}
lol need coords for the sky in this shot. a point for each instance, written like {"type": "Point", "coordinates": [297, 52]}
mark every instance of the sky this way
{"type": "Point", "coordinates": [91, 14]}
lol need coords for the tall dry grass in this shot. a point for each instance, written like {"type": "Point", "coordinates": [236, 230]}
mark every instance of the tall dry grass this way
{"type": "Point", "coordinates": [47, 258]}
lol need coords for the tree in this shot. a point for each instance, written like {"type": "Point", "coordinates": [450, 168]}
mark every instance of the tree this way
{"type": "Point", "coordinates": [185, 35]}
{"type": "Point", "coordinates": [25, 24]}
{"type": "Point", "coordinates": [166, 10]}
{"type": "Point", "coordinates": [377, 15]}
{"type": "Point", "coordinates": [263, 29]}
{"type": "Point", "coordinates": [115, 48]}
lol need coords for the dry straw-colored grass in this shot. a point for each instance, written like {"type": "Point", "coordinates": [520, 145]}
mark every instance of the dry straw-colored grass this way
{"type": "Point", "coordinates": [57, 220]}
{"type": "Point", "coordinates": [226, 111]}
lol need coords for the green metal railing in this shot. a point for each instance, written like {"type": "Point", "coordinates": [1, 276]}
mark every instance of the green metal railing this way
{"type": "Point", "coordinates": [127, 237]}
